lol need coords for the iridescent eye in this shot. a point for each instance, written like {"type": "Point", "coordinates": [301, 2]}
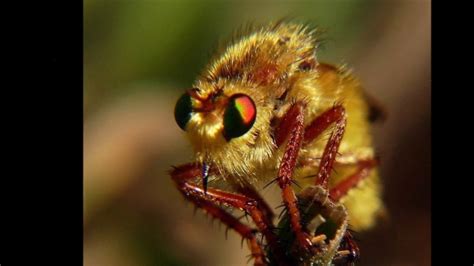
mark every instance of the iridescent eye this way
{"type": "Point", "coordinates": [239, 116]}
{"type": "Point", "coordinates": [183, 110]}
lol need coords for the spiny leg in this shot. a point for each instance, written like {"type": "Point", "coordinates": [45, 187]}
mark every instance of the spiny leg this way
{"type": "Point", "coordinates": [182, 176]}
{"type": "Point", "coordinates": [286, 126]}
{"type": "Point", "coordinates": [245, 231]}
{"type": "Point", "coordinates": [348, 252]}
{"type": "Point", "coordinates": [249, 191]}
{"type": "Point", "coordinates": [294, 120]}
{"type": "Point", "coordinates": [363, 170]}
{"type": "Point", "coordinates": [335, 115]}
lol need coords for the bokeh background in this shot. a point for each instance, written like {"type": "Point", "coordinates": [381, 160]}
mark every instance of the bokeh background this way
{"type": "Point", "coordinates": [139, 55]}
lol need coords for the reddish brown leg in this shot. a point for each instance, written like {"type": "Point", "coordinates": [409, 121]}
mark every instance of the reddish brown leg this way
{"type": "Point", "coordinates": [292, 126]}
{"type": "Point", "coordinates": [233, 223]}
{"type": "Point", "coordinates": [195, 193]}
{"type": "Point", "coordinates": [334, 115]}
{"type": "Point", "coordinates": [322, 122]}
{"type": "Point", "coordinates": [286, 125]}
{"type": "Point", "coordinates": [348, 252]}
{"type": "Point", "coordinates": [250, 192]}
{"type": "Point", "coordinates": [294, 120]}
{"type": "Point", "coordinates": [363, 170]}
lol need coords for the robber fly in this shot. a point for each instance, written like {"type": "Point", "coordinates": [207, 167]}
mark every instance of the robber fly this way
{"type": "Point", "coordinates": [266, 111]}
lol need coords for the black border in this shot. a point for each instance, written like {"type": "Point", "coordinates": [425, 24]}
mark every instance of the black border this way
{"type": "Point", "coordinates": [452, 231]}
{"type": "Point", "coordinates": [46, 109]}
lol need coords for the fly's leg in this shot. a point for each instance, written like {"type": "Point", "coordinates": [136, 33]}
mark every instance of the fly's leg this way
{"type": "Point", "coordinates": [320, 124]}
{"type": "Point", "coordinates": [292, 125]}
{"type": "Point", "coordinates": [249, 191]}
{"type": "Point", "coordinates": [363, 170]}
{"type": "Point", "coordinates": [336, 115]}
{"type": "Point", "coordinates": [348, 252]}
{"type": "Point", "coordinates": [209, 200]}
{"type": "Point", "coordinates": [245, 231]}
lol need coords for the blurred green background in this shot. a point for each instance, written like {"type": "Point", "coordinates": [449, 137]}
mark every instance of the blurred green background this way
{"type": "Point", "coordinates": [140, 55]}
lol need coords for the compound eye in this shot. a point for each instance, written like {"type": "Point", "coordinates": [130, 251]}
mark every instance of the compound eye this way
{"type": "Point", "coordinates": [239, 116]}
{"type": "Point", "coordinates": [183, 110]}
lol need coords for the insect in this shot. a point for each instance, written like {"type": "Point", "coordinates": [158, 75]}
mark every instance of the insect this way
{"type": "Point", "coordinates": [266, 111]}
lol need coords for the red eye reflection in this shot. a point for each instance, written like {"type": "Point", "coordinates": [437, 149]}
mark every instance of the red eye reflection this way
{"type": "Point", "coordinates": [239, 116]}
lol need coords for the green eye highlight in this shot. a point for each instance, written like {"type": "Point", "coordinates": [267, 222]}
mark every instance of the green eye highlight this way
{"type": "Point", "coordinates": [239, 116]}
{"type": "Point", "coordinates": [183, 110]}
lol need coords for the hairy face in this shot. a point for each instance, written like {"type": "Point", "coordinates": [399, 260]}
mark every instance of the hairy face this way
{"type": "Point", "coordinates": [228, 126]}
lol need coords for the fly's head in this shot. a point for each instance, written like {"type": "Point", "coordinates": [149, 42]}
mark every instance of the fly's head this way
{"type": "Point", "coordinates": [228, 125]}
